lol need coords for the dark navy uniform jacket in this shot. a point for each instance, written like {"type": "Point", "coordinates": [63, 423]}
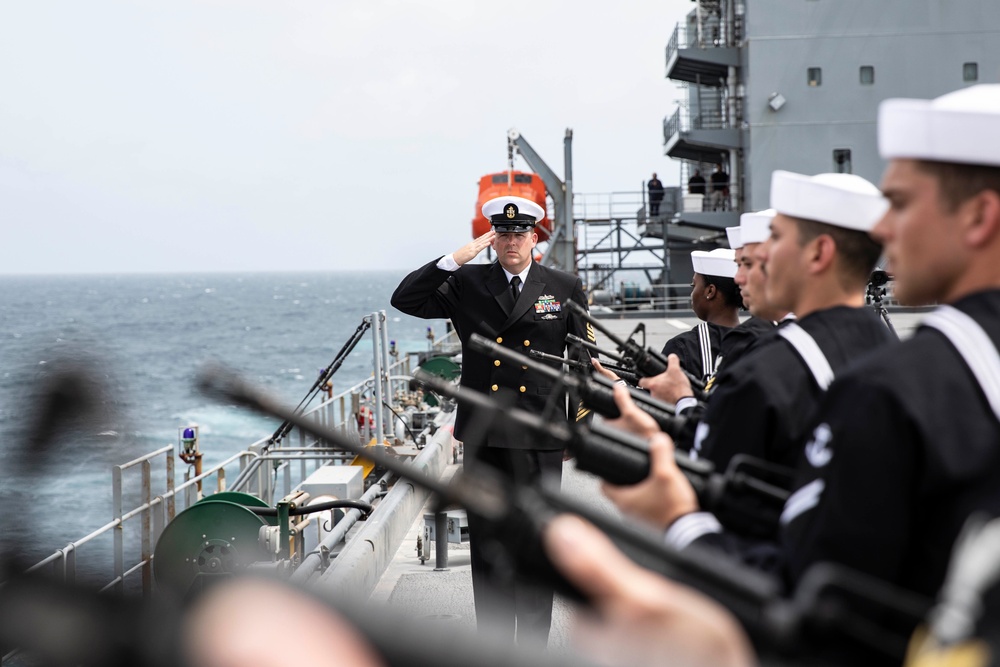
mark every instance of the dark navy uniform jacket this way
{"type": "Point", "coordinates": [741, 339]}
{"type": "Point", "coordinates": [477, 299]}
{"type": "Point", "coordinates": [908, 447]}
{"type": "Point", "coordinates": [763, 404]}
{"type": "Point", "coordinates": [687, 347]}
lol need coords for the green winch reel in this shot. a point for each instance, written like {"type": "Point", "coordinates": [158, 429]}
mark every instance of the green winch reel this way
{"type": "Point", "coordinates": [215, 537]}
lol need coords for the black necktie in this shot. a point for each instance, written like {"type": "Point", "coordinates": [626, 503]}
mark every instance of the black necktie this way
{"type": "Point", "coordinates": [515, 287]}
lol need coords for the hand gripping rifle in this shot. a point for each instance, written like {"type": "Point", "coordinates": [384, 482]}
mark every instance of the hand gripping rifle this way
{"type": "Point", "coordinates": [778, 625]}
{"type": "Point", "coordinates": [584, 368]}
{"type": "Point", "coordinates": [646, 361]}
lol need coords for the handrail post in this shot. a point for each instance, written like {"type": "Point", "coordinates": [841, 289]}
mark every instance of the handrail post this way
{"type": "Point", "coordinates": [69, 566]}
{"type": "Point", "coordinates": [159, 519]}
{"type": "Point", "coordinates": [171, 508]}
{"type": "Point", "coordinates": [377, 365]}
{"type": "Point", "coordinates": [145, 524]}
{"type": "Point", "coordinates": [119, 537]}
{"type": "Point", "coordinates": [384, 331]}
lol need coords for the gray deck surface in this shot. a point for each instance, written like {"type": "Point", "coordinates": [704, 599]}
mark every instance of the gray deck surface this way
{"type": "Point", "coordinates": [446, 597]}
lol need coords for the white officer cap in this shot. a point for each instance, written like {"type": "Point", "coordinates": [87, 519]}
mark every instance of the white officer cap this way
{"type": "Point", "coordinates": [719, 262]}
{"type": "Point", "coordinates": [755, 227]}
{"type": "Point", "coordinates": [735, 240]}
{"type": "Point", "coordinates": [963, 127]}
{"type": "Point", "coordinates": [841, 200]}
{"type": "Point", "coordinates": [512, 214]}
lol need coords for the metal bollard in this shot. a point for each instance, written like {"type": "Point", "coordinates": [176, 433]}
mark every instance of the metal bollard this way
{"type": "Point", "coordinates": [440, 542]}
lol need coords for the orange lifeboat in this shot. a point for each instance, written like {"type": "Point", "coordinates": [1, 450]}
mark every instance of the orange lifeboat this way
{"type": "Point", "coordinates": [517, 183]}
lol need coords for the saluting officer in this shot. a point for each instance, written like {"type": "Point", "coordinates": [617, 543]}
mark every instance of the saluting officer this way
{"type": "Point", "coordinates": [521, 305]}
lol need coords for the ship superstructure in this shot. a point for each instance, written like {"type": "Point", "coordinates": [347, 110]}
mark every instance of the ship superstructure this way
{"type": "Point", "coordinates": [779, 84]}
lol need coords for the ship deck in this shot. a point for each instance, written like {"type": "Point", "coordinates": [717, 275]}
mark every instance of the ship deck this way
{"type": "Point", "coordinates": [445, 597]}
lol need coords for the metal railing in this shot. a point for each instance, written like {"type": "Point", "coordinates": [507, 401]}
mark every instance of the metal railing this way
{"type": "Point", "coordinates": [682, 120]}
{"type": "Point", "coordinates": [292, 459]}
{"type": "Point", "coordinates": [611, 242]}
{"type": "Point", "coordinates": [633, 296]}
{"type": "Point", "coordinates": [711, 30]}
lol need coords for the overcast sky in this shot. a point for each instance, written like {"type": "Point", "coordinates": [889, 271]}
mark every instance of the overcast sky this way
{"type": "Point", "coordinates": [245, 135]}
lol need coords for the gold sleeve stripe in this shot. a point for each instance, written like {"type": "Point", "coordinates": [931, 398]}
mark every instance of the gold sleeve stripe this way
{"type": "Point", "coordinates": [590, 333]}
{"type": "Point", "coordinates": [581, 413]}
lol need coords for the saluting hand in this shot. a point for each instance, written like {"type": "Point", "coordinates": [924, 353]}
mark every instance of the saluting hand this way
{"type": "Point", "coordinates": [671, 385]}
{"type": "Point", "coordinates": [468, 252]}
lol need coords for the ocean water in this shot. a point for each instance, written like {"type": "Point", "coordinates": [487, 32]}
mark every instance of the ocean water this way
{"type": "Point", "coordinates": [142, 339]}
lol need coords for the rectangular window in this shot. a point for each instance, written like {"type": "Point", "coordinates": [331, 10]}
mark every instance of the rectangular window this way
{"type": "Point", "coordinates": [815, 75]}
{"type": "Point", "coordinates": [522, 178]}
{"type": "Point", "coordinates": [970, 72]}
{"type": "Point", "coordinates": [867, 74]}
{"type": "Point", "coordinates": [842, 160]}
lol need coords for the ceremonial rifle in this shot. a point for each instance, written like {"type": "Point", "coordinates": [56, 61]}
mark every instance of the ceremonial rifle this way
{"type": "Point", "coordinates": [646, 361]}
{"type": "Point", "coordinates": [585, 368]}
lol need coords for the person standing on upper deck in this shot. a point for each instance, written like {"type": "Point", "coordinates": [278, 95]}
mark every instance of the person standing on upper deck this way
{"type": "Point", "coordinates": [655, 196]}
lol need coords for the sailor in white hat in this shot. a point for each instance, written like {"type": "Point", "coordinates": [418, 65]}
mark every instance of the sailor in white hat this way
{"type": "Point", "coordinates": [908, 444]}
{"type": "Point", "coordinates": [754, 228]}
{"type": "Point", "coordinates": [715, 299]}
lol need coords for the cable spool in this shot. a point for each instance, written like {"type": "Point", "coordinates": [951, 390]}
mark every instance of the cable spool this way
{"type": "Point", "coordinates": [215, 537]}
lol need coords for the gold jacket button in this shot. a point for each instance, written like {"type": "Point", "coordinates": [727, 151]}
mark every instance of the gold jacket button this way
{"type": "Point", "coordinates": [499, 339]}
{"type": "Point", "coordinates": [494, 388]}
{"type": "Point", "coordinates": [524, 368]}
{"type": "Point", "coordinates": [527, 343]}
{"type": "Point", "coordinates": [522, 388]}
{"type": "Point", "coordinates": [496, 362]}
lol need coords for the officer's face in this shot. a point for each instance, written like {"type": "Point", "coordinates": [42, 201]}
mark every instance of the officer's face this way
{"type": "Point", "coordinates": [783, 264]}
{"type": "Point", "coordinates": [922, 239]}
{"type": "Point", "coordinates": [514, 249]}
